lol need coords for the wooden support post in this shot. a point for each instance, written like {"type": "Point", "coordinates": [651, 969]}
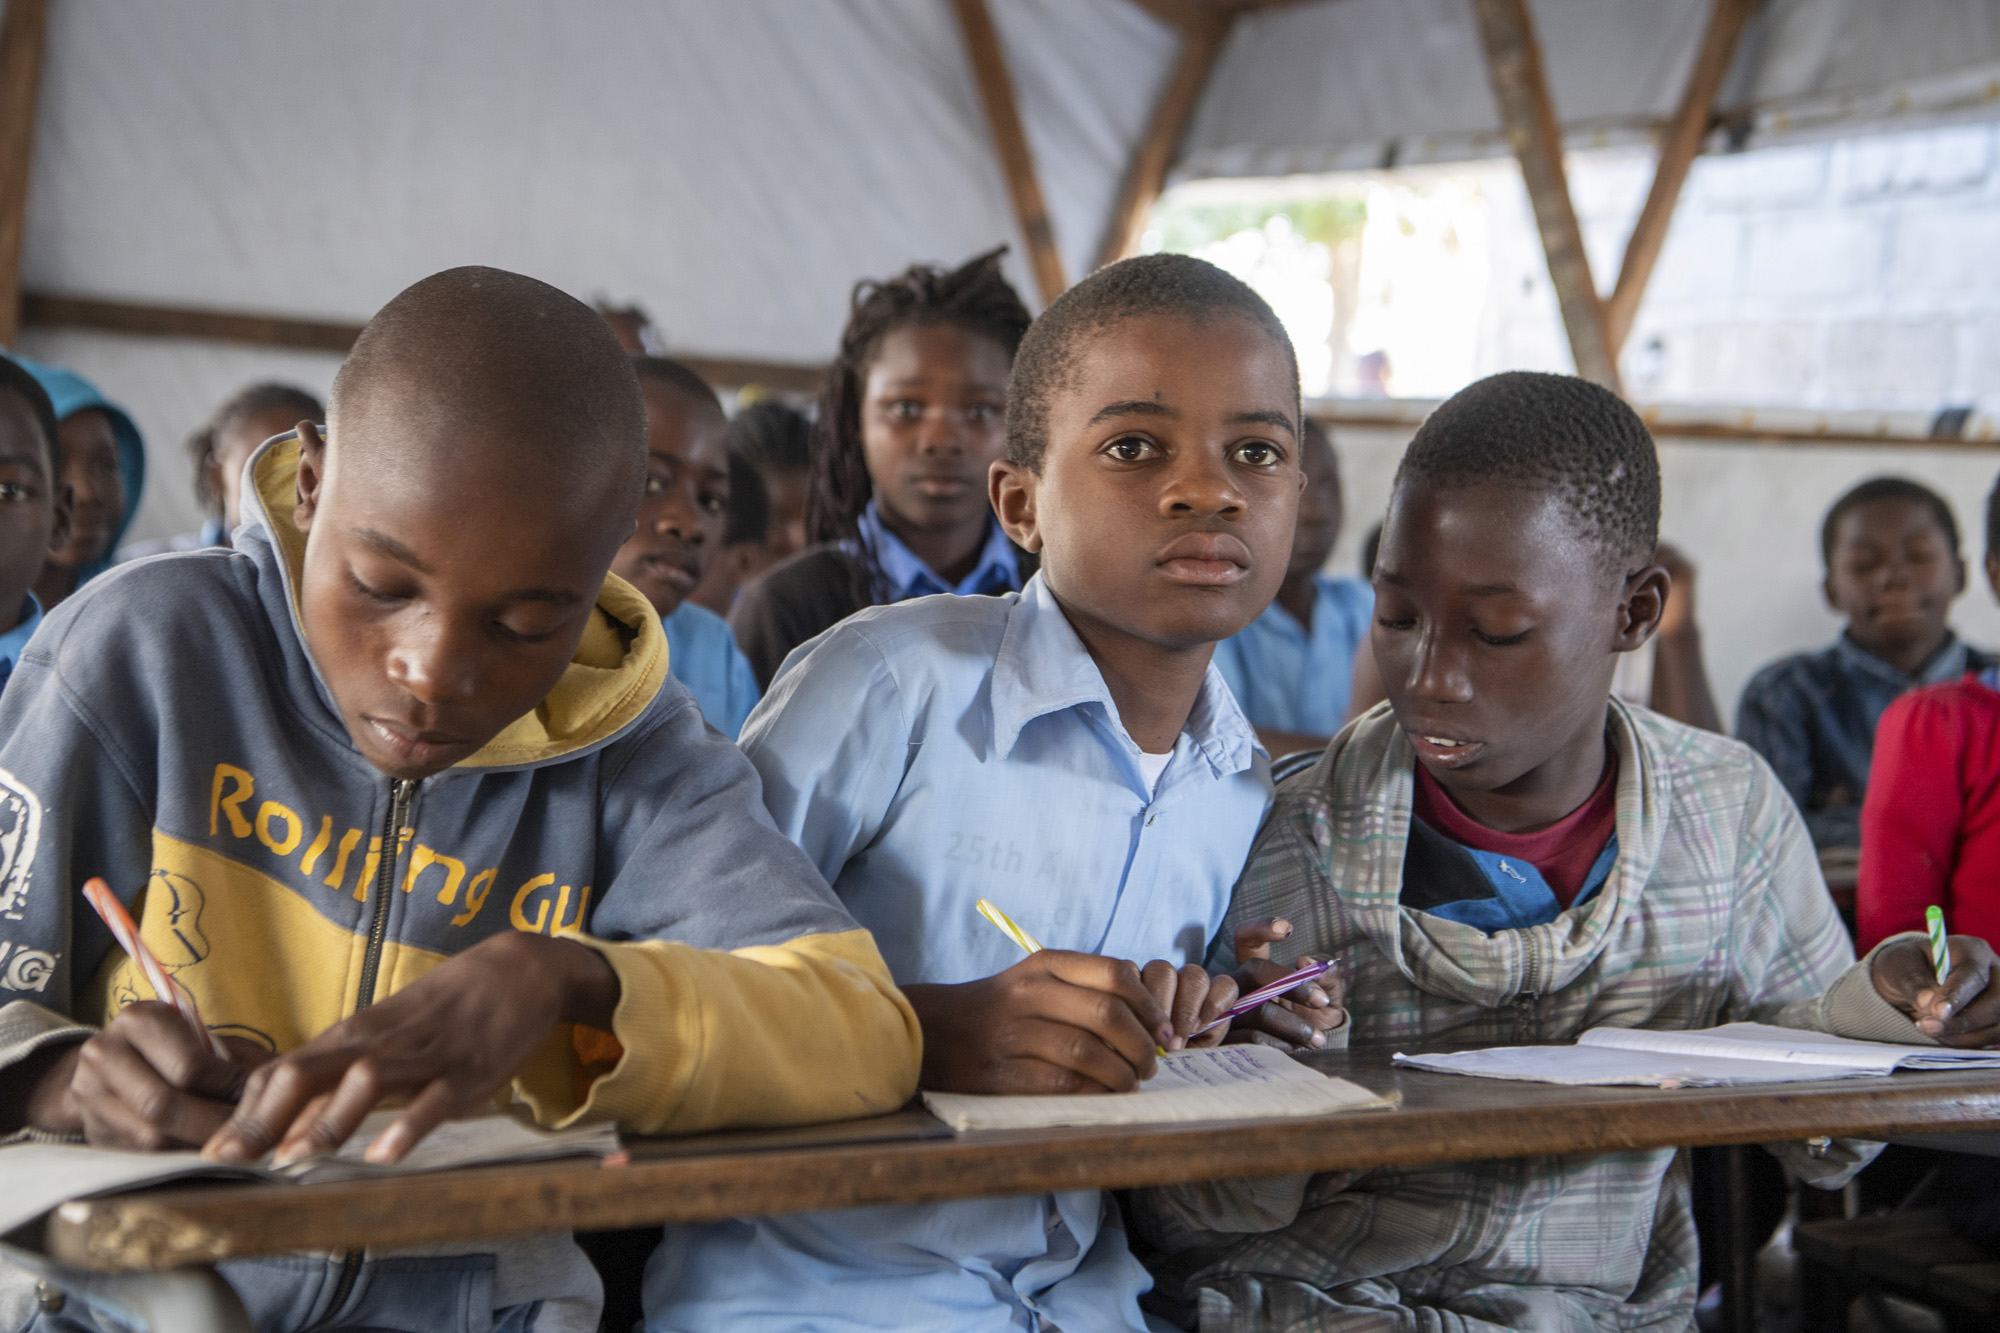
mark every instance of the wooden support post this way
{"type": "Point", "coordinates": [1678, 147]}
{"type": "Point", "coordinates": [1202, 38]}
{"type": "Point", "coordinates": [1010, 144]}
{"type": "Point", "coordinates": [1514, 63]}
{"type": "Point", "coordinates": [23, 28]}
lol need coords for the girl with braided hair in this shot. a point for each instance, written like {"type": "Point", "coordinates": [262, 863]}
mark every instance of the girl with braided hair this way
{"type": "Point", "coordinates": [912, 416]}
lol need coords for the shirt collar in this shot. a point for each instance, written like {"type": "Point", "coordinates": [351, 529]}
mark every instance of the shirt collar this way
{"type": "Point", "coordinates": [1042, 667]}
{"type": "Point", "coordinates": [1948, 663]}
{"type": "Point", "coordinates": [908, 576]}
{"type": "Point", "coordinates": [15, 639]}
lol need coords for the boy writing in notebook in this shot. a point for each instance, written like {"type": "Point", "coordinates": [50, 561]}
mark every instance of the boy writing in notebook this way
{"type": "Point", "coordinates": [1506, 854]}
{"type": "Point", "coordinates": [1066, 751]}
{"type": "Point", "coordinates": [402, 794]}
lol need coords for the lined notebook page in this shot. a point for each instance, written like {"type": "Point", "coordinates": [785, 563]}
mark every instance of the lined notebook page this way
{"type": "Point", "coordinates": [1213, 1083]}
{"type": "Point", "coordinates": [1760, 1041]}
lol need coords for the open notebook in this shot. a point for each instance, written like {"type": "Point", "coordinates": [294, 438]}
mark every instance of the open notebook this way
{"type": "Point", "coordinates": [1732, 1053]}
{"type": "Point", "coordinates": [40, 1176]}
{"type": "Point", "coordinates": [1212, 1083]}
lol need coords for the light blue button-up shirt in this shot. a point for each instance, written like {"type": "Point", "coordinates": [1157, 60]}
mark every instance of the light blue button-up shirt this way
{"type": "Point", "coordinates": [1289, 678]}
{"type": "Point", "coordinates": [998, 570]}
{"type": "Point", "coordinates": [16, 639]}
{"type": "Point", "coordinates": [702, 655]}
{"type": "Point", "coordinates": [927, 755]}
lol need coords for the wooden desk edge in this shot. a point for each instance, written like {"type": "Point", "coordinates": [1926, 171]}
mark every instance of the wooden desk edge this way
{"type": "Point", "coordinates": [183, 1226]}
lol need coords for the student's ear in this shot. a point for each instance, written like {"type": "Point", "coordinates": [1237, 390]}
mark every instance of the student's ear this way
{"type": "Point", "coordinates": [1993, 575]}
{"type": "Point", "coordinates": [1014, 490]}
{"type": "Point", "coordinates": [312, 475]}
{"type": "Point", "coordinates": [1958, 563]}
{"type": "Point", "coordinates": [1641, 603]}
{"type": "Point", "coordinates": [62, 498]}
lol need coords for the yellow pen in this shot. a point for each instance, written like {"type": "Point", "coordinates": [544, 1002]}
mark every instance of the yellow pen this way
{"type": "Point", "coordinates": [1007, 926]}
{"type": "Point", "coordinates": [1020, 937]}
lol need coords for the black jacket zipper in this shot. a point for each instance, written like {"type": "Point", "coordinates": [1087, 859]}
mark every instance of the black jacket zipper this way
{"type": "Point", "coordinates": [400, 791]}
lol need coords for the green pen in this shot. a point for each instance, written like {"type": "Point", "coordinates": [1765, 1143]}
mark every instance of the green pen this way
{"type": "Point", "coordinates": [1940, 952]}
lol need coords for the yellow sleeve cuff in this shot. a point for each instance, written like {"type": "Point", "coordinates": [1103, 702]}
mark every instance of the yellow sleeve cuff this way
{"type": "Point", "coordinates": [809, 1030]}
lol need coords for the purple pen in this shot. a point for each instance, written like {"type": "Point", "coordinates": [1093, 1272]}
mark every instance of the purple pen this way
{"type": "Point", "coordinates": [1266, 993]}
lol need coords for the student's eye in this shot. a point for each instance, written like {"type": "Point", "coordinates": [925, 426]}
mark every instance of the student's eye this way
{"type": "Point", "coordinates": [656, 485]}
{"type": "Point", "coordinates": [980, 414]}
{"type": "Point", "coordinates": [523, 634]}
{"type": "Point", "coordinates": [373, 594]}
{"type": "Point", "coordinates": [1131, 449]}
{"type": "Point", "coordinates": [1499, 640]}
{"type": "Point", "coordinates": [713, 503]}
{"type": "Point", "coordinates": [15, 490]}
{"type": "Point", "coordinates": [1395, 624]}
{"type": "Point", "coordinates": [905, 409]}
{"type": "Point", "coordinates": [1260, 453]}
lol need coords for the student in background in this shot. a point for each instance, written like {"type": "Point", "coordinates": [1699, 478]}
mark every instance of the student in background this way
{"type": "Point", "coordinates": [416, 631]}
{"type": "Point", "coordinates": [1893, 568]}
{"type": "Point", "coordinates": [34, 506]}
{"type": "Point", "coordinates": [913, 414]}
{"type": "Point", "coordinates": [1507, 854]}
{"type": "Point", "coordinates": [1291, 669]}
{"type": "Point", "coordinates": [770, 457]}
{"type": "Point", "coordinates": [1930, 824]}
{"type": "Point", "coordinates": [104, 466]}
{"type": "Point", "coordinates": [1069, 751]}
{"type": "Point", "coordinates": [682, 521]}
{"type": "Point", "coordinates": [220, 449]}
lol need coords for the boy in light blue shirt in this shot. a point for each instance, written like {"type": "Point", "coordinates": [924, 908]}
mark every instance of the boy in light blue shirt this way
{"type": "Point", "coordinates": [1067, 751]}
{"type": "Point", "coordinates": [34, 504]}
{"type": "Point", "coordinates": [1292, 670]}
{"type": "Point", "coordinates": [682, 520]}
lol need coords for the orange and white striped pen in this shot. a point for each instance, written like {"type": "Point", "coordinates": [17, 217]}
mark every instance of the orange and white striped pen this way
{"type": "Point", "coordinates": [119, 922]}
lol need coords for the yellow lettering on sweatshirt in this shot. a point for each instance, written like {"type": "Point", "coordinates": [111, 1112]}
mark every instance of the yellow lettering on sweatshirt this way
{"type": "Point", "coordinates": [423, 859]}
{"type": "Point", "coordinates": [520, 918]}
{"type": "Point", "coordinates": [368, 864]}
{"type": "Point", "coordinates": [232, 804]}
{"type": "Point", "coordinates": [270, 813]}
{"type": "Point", "coordinates": [475, 895]}
{"type": "Point", "coordinates": [319, 845]}
{"type": "Point", "coordinates": [348, 842]}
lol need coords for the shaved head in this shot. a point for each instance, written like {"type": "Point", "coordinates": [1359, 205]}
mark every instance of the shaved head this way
{"type": "Point", "coordinates": [484, 459]}
{"type": "Point", "coordinates": [479, 367]}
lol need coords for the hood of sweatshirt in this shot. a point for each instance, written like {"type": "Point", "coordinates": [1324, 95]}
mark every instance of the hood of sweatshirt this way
{"type": "Point", "coordinates": [1450, 958]}
{"type": "Point", "coordinates": [72, 393]}
{"type": "Point", "coordinates": [618, 668]}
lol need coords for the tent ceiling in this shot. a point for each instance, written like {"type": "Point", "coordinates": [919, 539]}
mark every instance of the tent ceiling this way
{"type": "Point", "coordinates": [1356, 84]}
{"type": "Point", "coordinates": [735, 166]}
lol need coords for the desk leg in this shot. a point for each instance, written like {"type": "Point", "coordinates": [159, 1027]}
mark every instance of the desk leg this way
{"type": "Point", "coordinates": [1739, 1260]}
{"type": "Point", "coordinates": [179, 1300]}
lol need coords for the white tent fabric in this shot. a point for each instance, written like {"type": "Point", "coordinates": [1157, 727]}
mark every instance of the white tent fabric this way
{"type": "Point", "coordinates": [1358, 84]}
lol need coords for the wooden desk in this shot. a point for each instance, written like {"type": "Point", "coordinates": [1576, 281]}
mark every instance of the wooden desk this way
{"type": "Point", "coordinates": [1443, 1118]}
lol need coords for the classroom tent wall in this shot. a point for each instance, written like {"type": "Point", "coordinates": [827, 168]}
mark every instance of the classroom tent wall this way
{"type": "Point", "coordinates": [735, 166]}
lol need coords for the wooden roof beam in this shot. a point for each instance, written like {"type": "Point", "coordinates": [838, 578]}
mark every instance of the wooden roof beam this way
{"type": "Point", "coordinates": [1202, 40]}
{"type": "Point", "coordinates": [23, 35]}
{"type": "Point", "coordinates": [1010, 144]}
{"type": "Point", "coordinates": [257, 329]}
{"type": "Point", "coordinates": [1514, 64]}
{"type": "Point", "coordinates": [1678, 148]}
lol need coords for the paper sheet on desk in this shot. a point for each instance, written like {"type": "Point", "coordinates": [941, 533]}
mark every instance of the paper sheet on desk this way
{"type": "Point", "coordinates": [1730, 1054]}
{"type": "Point", "coordinates": [1213, 1083]}
{"type": "Point", "coordinates": [36, 1177]}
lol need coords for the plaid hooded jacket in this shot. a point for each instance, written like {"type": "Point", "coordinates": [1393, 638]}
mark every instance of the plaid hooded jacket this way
{"type": "Point", "coordinates": [1715, 912]}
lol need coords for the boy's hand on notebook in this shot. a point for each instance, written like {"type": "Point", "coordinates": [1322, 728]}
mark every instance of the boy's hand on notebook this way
{"type": "Point", "coordinates": [1192, 998]}
{"type": "Point", "coordinates": [448, 1042]}
{"type": "Point", "coordinates": [1055, 1022]}
{"type": "Point", "coordinates": [145, 1082]}
{"type": "Point", "coordinates": [1965, 1010]}
{"type": "Point", "coordinates": [1302, 1017]}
